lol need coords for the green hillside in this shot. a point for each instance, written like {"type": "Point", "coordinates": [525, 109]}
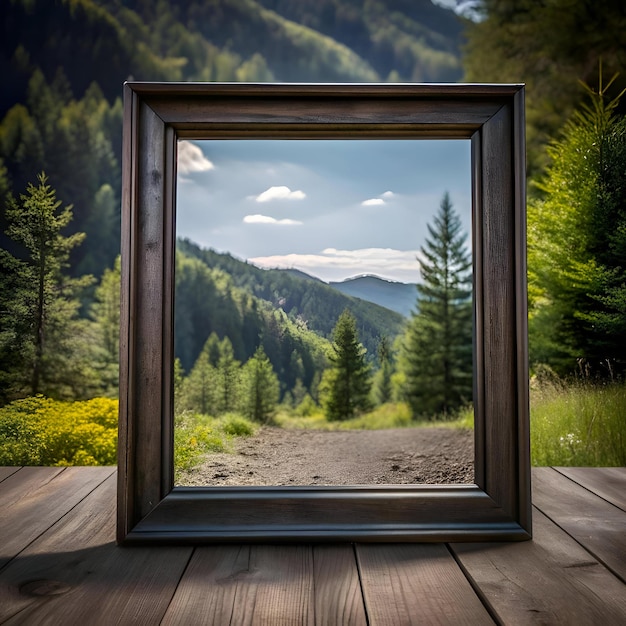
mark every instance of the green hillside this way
{"type": "Point", "coordinates": [308, 304]}
{"type": "Point", "coordinates": [63, 65]}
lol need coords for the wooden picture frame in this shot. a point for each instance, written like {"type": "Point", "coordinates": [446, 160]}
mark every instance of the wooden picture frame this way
{"type": "Point", "coordinates": [497, 506]}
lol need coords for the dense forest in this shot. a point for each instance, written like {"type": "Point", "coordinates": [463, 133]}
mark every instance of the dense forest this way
{"type": "Point", "coordinates": [64, 63]}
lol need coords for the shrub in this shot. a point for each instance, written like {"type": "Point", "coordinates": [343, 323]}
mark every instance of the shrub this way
{"type": "Point", "coordinates": [41, 431]}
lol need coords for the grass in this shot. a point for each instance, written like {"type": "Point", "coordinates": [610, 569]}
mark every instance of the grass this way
{"type": "Point", "coordinates": [197, 435]}
{"type": "Point", "coordinates": [578, 424]}
{"type": "Point", "coordinates": [389, 415]}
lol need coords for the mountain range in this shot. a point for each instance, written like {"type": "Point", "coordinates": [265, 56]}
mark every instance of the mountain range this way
{"type": "Point", "coordinates": [398, 297]}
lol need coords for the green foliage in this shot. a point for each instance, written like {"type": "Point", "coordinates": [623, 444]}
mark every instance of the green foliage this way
{"type": "Point", "coordinates": [578, 424]}
{"type": "Point", "coordinates": [436, 354]}
{"type": "Point", "coordinates": [308, 304]}
{"type": "Point", "coordinates": [550, 46]}
{"type": "Point", "coordinates": [577, 246]}
{"type": "Point", "coordinates": [105, 313]}
{"type": "Point", "coordinates": [42, 342]}
{"type": "Point", "coordinates": [41, 431]}
{"type": "Point", "coordinates": [259, 388]}
{"type": "Point", "coordinates": [347, 383]}
{"type": "Point", "coordinates": [382, 387]}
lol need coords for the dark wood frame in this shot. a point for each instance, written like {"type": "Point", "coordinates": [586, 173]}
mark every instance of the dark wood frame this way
{"type": "Point", "coordinates": [497, 506]}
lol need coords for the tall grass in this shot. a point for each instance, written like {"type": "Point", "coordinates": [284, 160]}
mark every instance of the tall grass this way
{"type": "Point", "coordinates": [578, 424]}
{"type": "Point", "coordinates": [389, 415]}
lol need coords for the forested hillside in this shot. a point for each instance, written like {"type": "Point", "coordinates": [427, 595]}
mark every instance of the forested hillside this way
{"type": "Point", "coordinates": [222, 294]}
{"type": "Point", "coordinates": [63, 65]}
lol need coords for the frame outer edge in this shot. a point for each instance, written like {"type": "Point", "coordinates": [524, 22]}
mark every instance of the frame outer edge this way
{"type": "Point", "coordinates": [524, 460]}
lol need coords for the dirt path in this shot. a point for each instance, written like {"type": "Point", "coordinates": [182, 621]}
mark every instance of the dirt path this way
{"type": "Point", "coordinates": [311, 457]}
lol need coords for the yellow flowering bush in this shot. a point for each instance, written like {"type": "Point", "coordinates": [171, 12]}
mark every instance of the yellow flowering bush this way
{"type": "Point", "coordinates": [41, 431]}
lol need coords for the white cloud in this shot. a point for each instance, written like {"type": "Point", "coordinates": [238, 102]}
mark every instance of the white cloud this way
{"type": "Point", "coordinates": [266, 219]}
{"type": "Point", "coordinates": [280, 192]}
{"type": "Point", "coordinates": [380, 201]}
{"type": "Point", "coordinates": [333, 264]}
{"type": "Point", "coordinates": [373, 202]}
{"type": "Point", "coordinates": [192, 159]}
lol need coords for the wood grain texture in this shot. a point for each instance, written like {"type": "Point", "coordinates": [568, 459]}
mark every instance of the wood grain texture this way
{"type": "Point", "coordinates": [74, 573]}
{"type": "Point", "coordinates": [594, 523]}
{"type": "Point", "coordinates": [416, 584]}
{"type": "Point", "coordinates": [549, 580]}
{"type": "Point", "coordinates": [34, 498]}
{"type": "Point", "coordinates": [607, 482]}
{"type": "Point", "coordinates": [338, 596]}
{"type": "Point", "coordinates": [7, 471]}
{"type": "Point", "coordinates": [207, 591]}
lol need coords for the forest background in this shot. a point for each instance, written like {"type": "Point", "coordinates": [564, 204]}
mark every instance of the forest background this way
{"type": "Point", "coordinates": [63, 65]}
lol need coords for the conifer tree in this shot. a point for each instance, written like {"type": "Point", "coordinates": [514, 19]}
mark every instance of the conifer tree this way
{"type": "Point", "coordinates": [348, 381]}
{"type": "Point", "coordinates": [382, 378]}
{"type": "Point", "coordinates": [198, 392]}
{"type": "Point", "coordinates": [259, 388]}
{"type": "Point", "coordinates": [577, 245]}
{"type": "Point", "coordinates": [43, 344]}
{"type": "Point", "coordinates": [105, 312]}
{"type": "Point", "coordinates": [436, 357]}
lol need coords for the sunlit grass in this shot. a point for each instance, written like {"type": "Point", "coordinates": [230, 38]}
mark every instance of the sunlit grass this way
{"type": "Point", "coordinates": [579, 424]}
{"type": "Point", "coordinates": [196, 435]}
{"type": "Point", "coordinates": [385, 416]}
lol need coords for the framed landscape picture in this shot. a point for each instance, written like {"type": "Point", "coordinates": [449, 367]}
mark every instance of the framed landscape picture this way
{"type": "Point", "coordinates": [320, 133]}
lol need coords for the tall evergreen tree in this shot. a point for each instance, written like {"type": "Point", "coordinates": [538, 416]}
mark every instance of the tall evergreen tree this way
{"type": "Point", "coordinates": [259, 388]}
{"type": "Point", "coordinates": [382, 378]}
{"type": "Point", "coordinates": [577, 245]}
{"type": "Point", "coordinates": [43, 344]}
{"type": "Point", "coordinates": [436, 354]}
{"type": "Point", "coordinates": [198, 391]}
{"type": "Point", "coordinates": [348, 381]}
{"type": "Point", "coordinates": [227, 378]}
{"type": "Point", "coordinates": [105, 312]}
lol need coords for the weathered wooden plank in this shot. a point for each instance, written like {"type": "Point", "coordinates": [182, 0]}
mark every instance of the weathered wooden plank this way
{"type": "Point", "coordinates": [222, 585]}
{"type": "Point", "coordinates": [206, 593]}
{"type": "Point", "coordinates": [596, 524]}
{"type": "Point", "coordinates": [6, 471]}
{"type": "Point", "coordinates": [279, 588]}
{"type": "Point", "coordinates": [549, 580]}
{"type": "Point", "coordinates": [34, 498]}
{"type": "Point", "coordinates": [416, 584]}
{"type": "Point", "coordinates": [338, 596]}
{"type": "Point", "coordinates": [607, 482]}
{"type": "Point", "coordinates": [75, 574]}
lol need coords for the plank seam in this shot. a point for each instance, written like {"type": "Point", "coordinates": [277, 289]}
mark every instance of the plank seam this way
{"type": "Point", "coordinates": [475, 587]}
{"type": "Point", "coordinates": [587, 549]}
{"type": "Point", "coordinates": [167, 608]}
{"type": "Point", "coordinates": [360, 574]}
{"type": "Point", "coordinates": [619, 508]}
{"type": "Point", "coordinates": [53, 524]}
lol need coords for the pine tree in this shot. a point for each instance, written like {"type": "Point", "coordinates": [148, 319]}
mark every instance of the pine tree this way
{"type": "Point", "coordinates": [259, 388]}
{"type": "Point", "coordinates": [43, 344]}
{"type": "Point", "coordinates": [105, 312]}
{"type": "Point", "coordinates": [436, 357]}
{"type": "Point", "coordinates": [198, 392]}
{"type": "Point", "coordinates": [382, 378]}
{"type": "Point", "coordinates": [227, 379]}
{"type": "Point", "coordinates": [577, 245]}
{"type": "Point", "coordinates": [348, 382]}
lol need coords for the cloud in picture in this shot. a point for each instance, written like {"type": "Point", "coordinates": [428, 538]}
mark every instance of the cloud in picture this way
{"type": "Point", "coordinates": [380, 200]}
{"type": "Point", "coordinates": [192, 159]}
{"type": "Point", "coordinates": [266, 219]}
{"type": "Point", "coordinates": [333, 264]}
{"type": "Point", "coordinates": [280, 192]}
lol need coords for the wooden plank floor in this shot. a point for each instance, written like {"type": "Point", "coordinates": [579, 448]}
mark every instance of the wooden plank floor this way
{"type": "Point", "coordinates": [59, 565]}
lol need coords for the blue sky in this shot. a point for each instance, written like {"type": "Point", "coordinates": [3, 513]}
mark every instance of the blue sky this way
{"type": "Point", "coordinates": [333, 209]}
